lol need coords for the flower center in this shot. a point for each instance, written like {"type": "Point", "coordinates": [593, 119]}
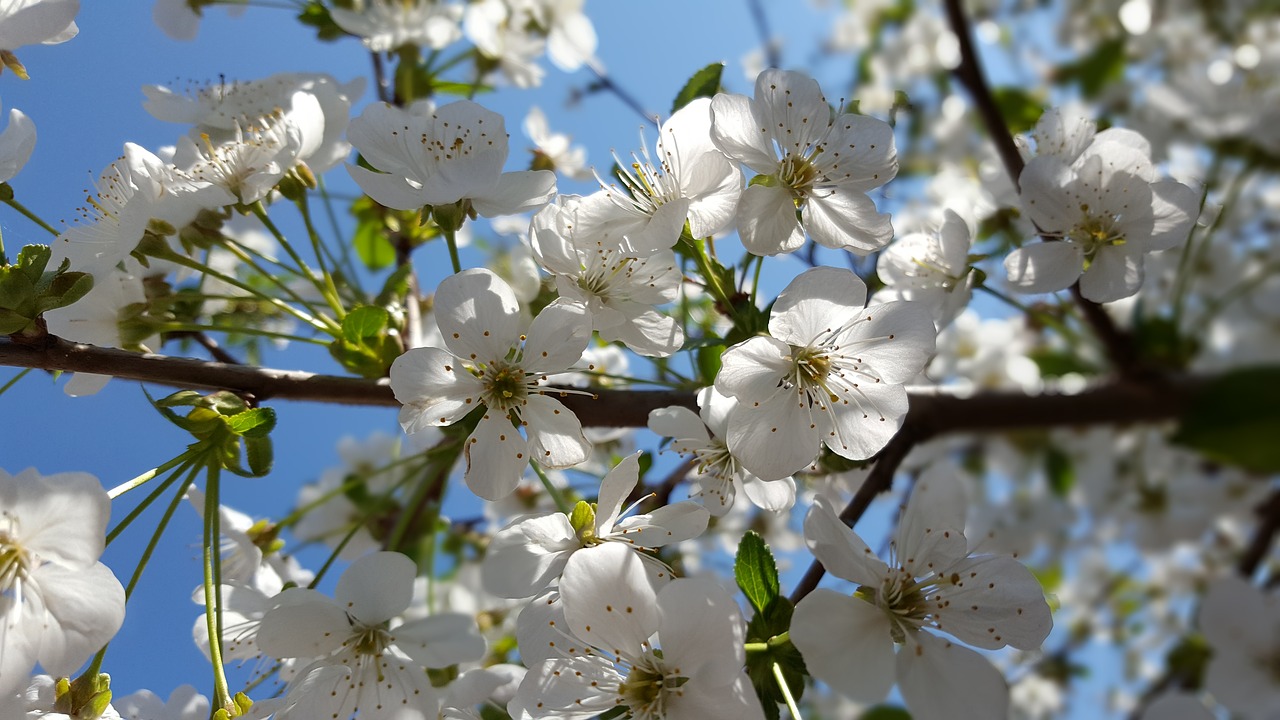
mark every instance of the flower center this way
{"type": "Point", "coordinates": [645, 690]}
{"type": "Point", "coordinates": [371, 641]}
{"type": "Point", "coordinates": [15, 565]}
{"type": "Point", "coordinates": [798, 173]}
{"type": "Point", "coordinates": [504, 386]}
{"type": "Point", "coordinates": [903, 600]}
{"type": "Point", "coordinates": [1095, 233]}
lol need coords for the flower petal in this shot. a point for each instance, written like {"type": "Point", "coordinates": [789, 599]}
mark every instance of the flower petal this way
{"type": "Point", "coordinates": [839, 548]}
{"type": "Point", "coordinates": [815, 301]}
{"type": "Point", "coordinates": [609, 601]}
{"type": "Point", "coordinates": [940, 680]}
{"type": "Point", "coordinates": [524, 557]}
{"type": "Point", "coordinates": [555, 434]}
{"type": "Point", "coordinates": [846, 644]}
{"type": "Point", "coordinates": [846, 219]}
{"type": "Point", "coordinates": [496, 457]}
{"type": "Point", "coordinates": [478, 315]}
{"type": "Point", "coordinates": [434, 388]}
{"type": "Point", "coordinates": [440, 640]}
{"type": "Point", "coordinates": [991, 601]}
{"type": "Point", "coordinates": [766, 221]}
{"type": "Point", "coordinates": [376, 587]}
{"type": "Point", "coordinates": [1044, 267]}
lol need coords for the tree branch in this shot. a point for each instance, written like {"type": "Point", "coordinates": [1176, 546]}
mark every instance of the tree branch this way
{"type": "Point", "coordinates": [933, 412]}
{"type": "Point", "coordinates": [1268, 525]}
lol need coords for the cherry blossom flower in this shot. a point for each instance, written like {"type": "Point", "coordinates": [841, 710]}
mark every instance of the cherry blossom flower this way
{"type": "Point", "coordinates": [720, 475]}
{"type": "Point", "coordinates": [831, 373]}
{"type": "Point", "coordinates": [218, 110]}
{"type": "Point", "coordinates": [16, 143]}
{"type": "Point", "coordinates": [553, 148]}
{"type": "Point", "coordinates": [690, 181]}
{"type": "Point", "coordinates": [184, 703]}
{"type": "Point", "coordinates": [1109, 209]}
{"type": "Point", "coordinates": [480, 319]}
{"type": "Point", "coordinates": [386, 25]}
{"type": "Point", "coordinates": [39, 701]}
{"type": "Point", "coordinates": [618, 289]}
{"type": "Point", "coordinates": [1241, 625]}
{"type": "Point", "coordinates": [361, 664]}
{"type": "Point", "coordinates": [930, 268]}
{"type": "Point", "coordinates": [441, 156]}
{"type": "Point", "coordinates": [500, 33]}
{"type": "Point", "coordinates": [529, 554]}
{"type": "Point", "coordinates": [989, 601]}
{"type": "Point", "coordinates": [693, 672]}
{"type": "Point", "coordinates": [807, 161]}
{"type": "Point", "coordinates": [58, 604]}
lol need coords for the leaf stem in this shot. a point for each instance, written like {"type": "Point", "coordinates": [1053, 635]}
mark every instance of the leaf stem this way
{"type": "Point", "coordinates": [786, 691]}
{"type": "Point", "coordinates": [561, 504]}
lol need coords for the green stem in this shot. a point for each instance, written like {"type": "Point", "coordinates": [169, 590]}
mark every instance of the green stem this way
{"type": "Point", "coordinates": [320, 250]}
{"type": "Point", "coordinates": [1040, 315]}
{"type": "Point", "coordinates": [212, 557]}
{"type": "Point", "coordinates": [771, 643]}
{"type": "Point", "coordinates": [146, 477]}
{"type": "Point", "coordinates": [30, 216]}
{"type": "Point", "coordinates": [786, 691]}
{"type": "Point", "coordinates": [333, 556]}
{"type": "Point", "coordinates": [320, 283]}
{"type": "Point", "coordinates": [13, 380]}
{"type": "Point", "coordinates": [344, 247]}
{"type": "Point", "coordinates": [197, 327]}
{"type": "Point", "coordinates": [561, 504]}
{"type": "Point", "coordinates": [703, 261]}
{"type": "Point", "coordinates": [452, 242]}
{"type": "Point", "coordinates": [150, 498]}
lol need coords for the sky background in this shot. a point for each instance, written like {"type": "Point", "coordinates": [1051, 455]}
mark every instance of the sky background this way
{"type": "Point", "coordinates": [86, 101]}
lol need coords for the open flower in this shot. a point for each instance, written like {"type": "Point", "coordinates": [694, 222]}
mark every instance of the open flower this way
{"type": "Point", "coordinates": [693, 671]}
{"type": "Point", "coordinates": [487, 364]}
{"type": "Point", "coordinates": [529, 554]}
{"type": "Point", "coordinates": [831, 373]}
{"type": "Point", "coordinates": [441, 156]}
{"type": "Point", "coordinates": [807, 161]}
{"type": "Point", "coordinates": [361, 662]}
{"type": "Point", "coordinates": [58, 604]}
{"type": "Point", "coordinates": [989, 601]}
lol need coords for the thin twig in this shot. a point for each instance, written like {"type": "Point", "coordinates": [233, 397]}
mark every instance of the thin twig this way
{"type": "Point", "coordinates": [1269, 524]}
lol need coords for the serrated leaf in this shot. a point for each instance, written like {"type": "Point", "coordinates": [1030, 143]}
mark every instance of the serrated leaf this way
{"type": "Point", "coordinates": [366, 321]}
{"type": "Point", "coordinates": [1235, 420]}
{"type": "Point", "coordinates": [704, 83]}
{"type": "Point", "coordinates": [755, 571]}
{"type": "Point", "coordinates": [17, 291]}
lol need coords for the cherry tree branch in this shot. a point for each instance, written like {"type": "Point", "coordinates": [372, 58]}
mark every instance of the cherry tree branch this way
{"type": "Point", "coordinates": [1118, 345]}
{"type": "Point", "coordinates": [1268, 525]}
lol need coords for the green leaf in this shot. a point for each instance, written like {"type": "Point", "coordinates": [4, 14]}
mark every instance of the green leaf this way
{"type": "Point", "coordinates": [704, 83]}
{"type": "Point", "coordinates": [64, 290]}
{"type": "Point", "coordinates": [260, 454]}
{"type": "Point", "coordinates": [372, 246]}
{"type": "Point", "coordinates": [1095, 71]}
{"type": "Point", "coordinates": [33, 259]}
{"type": "Point", "coordinates": [1056, 363]}
{"type": "Point", "coordinates": [1235, 420]}
{"type": "Point", "coordinates": [253, 423]}
{"type": "Point", "coordinates": [709, 362]}
{"type": "Point", "coordinates": [396, 287]}
{"type": "Point", "coordinates": [366, 321]}
{"type": "Point", "coordinates": [1060, 472]}
{"type": "Point", "coordinates": [755, 571]}
{"type": "Point", "coordinates": [316, 15]}
{"type": "Point", "coordinates": [17, 291]}
{"type": "Point", "coordinates": [12, 322]}
{"type": "Point", "coordinates": [1019, 109]}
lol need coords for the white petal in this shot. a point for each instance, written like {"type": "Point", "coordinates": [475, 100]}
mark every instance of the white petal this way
{"type": "Point", "coordinates": [735, 701]}
{"type": "Point", "coordinates": [575, 688]}
{"type": "Point", "coordinates": [678, 423]}
{"type": "Point", "coordinates": [753, 369]}
{"type": "Point", "coordinates": [542, 632]}
{"type": "Point", "coordinates": [496, 457]}
{"type": "Point", "coordinates": [440, 640]}
{"type": "Point", "coordinates": [608, 599]}
{"type": "Point", "coordinates": [775, 437]}
{"type": "Point", "coordinates": [738, 133]}
{"type": "Point", "coordinates": [1043, 182]}
{"type": "Point", "coordinates": [1045, 266]}
{"type": "Point", "coordinates": [792, 106]}
{"type": "Point", "coordinates": [434, 388]}
{"type": "Point", "coordinates": [894, 340]}
{"type": "Point", "coordinates": [839, 548]}
{"type": "Point", "coordinates": [1115, 273]}
{"type": "Point", "coordinates": [84, 609]}
{"type": "Point", "coordinates": [815, 301]}
{"type": "Point", "coordinates": [846, 644]}
{"type": "Point", "coordinates": [700, 630]}
{"type": "Point", "coordinates": [516, 192]}
{"type": "Point", "coordinates": [16, 144]}
{"type": "Point", "coordinates": [377, 587]}
{"type": "Point", "coordinates": [767, 221]}
{"type": "Point", "coordinates": [557, 337]}
{"type": "Point", "coordinates": [771, 495]}
{"type": "Point", "coordinates": [1174, 208]}
{"type": "Point", "coordinates": [668, 524]}
{"type": "Point", "coordinates": [387, 189]}
{"type": "Point", "coordinates": [648, 333]}
{"type": "Point", "coordinates": [555, 434]}
{"type": "Point", "coordinates": [873, 415]}
{"type": "Point", "coordinates": [930, 536]}
{"type": "Point", "coordinates": [62, 517]}
{"type": "Point", "coordinates": [524, 557]}
{"type": "Point", "coordinates": [940, 680]}
{"type": "Point", "coordinates": [846, 219]}
{"type": "Point", "coordinates": [304, 624]}
{"type": "Point", "coordinates": [991, 601]}
{"type": "Point", "coordinates": [478, 315]}
{"type": "Point", "coordinates": [615, 488]}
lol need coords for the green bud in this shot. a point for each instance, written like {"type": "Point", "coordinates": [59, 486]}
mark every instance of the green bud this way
{"type": "Point", "coordinates": [161, 228]}
{"type": "Point", "coordinates": [450, 217]}
{"type": "Point", "coordinates": [583, 520]}
{"type": "Point", "coordinates": [6, 192]}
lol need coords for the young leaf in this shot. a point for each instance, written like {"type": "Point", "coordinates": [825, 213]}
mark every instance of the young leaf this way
{"type": "Point", "coordinates": [704, 83]}
{"type": "Point", "coordinates": [1235, 420]}
{"type": "Point", "coordinates": [365, 321]}
{"type": "Point", "coordinates": [755, 571]}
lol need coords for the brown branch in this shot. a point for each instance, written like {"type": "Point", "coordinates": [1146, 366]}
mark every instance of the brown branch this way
{"type": "Point", "coordinates": [932, 412]}
{"type": "Point", "coordinates": [1118, 345]}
